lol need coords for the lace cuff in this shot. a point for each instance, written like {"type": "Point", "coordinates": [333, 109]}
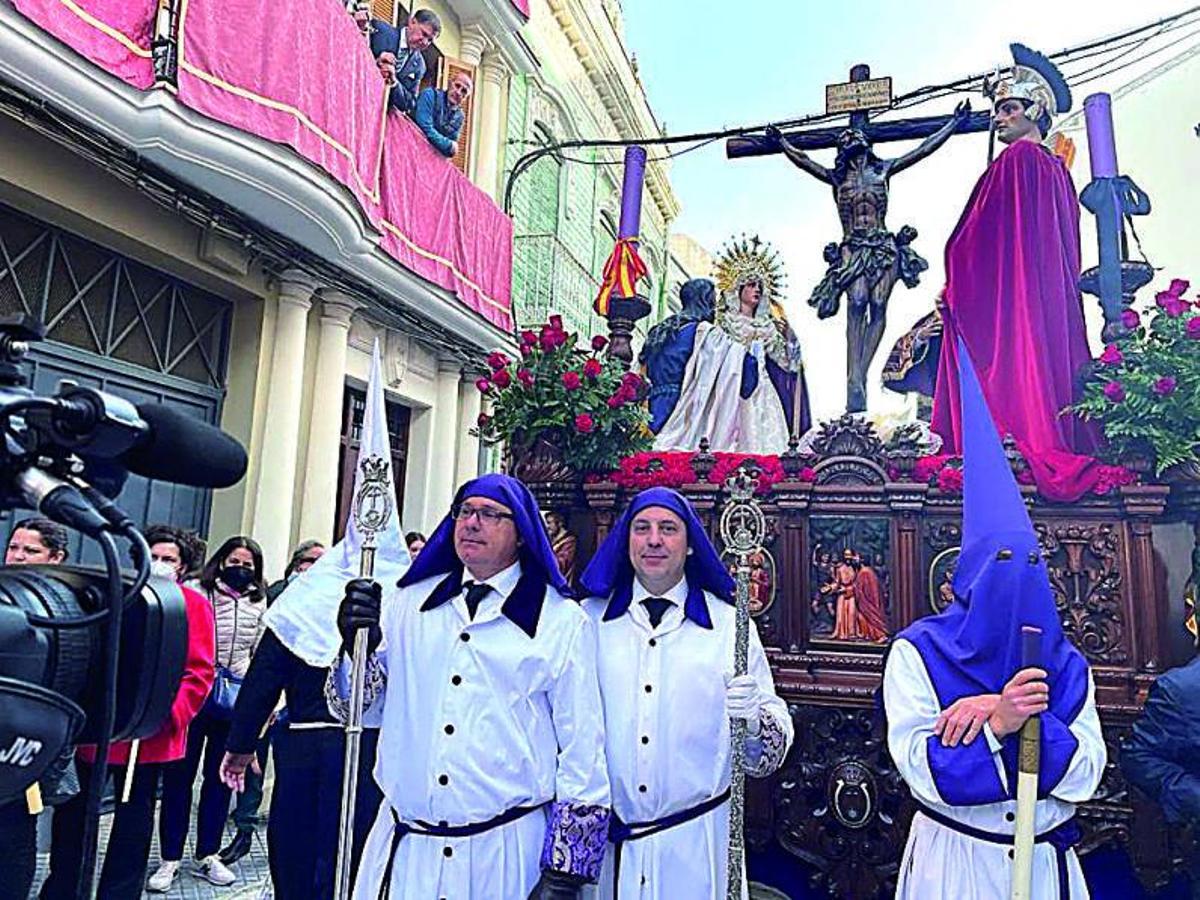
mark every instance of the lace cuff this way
{"type": "Point", "coordinates": [337, 686]}
{"type": "Point", "coordinates": [576, 834]}
{"type": "Point", "coordinates": [765, 751]}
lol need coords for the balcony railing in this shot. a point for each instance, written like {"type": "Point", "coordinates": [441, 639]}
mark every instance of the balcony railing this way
{"type": "Point", "coordinates": [306, 80]}
{"type": "Point", "coordinates": [547, 278]}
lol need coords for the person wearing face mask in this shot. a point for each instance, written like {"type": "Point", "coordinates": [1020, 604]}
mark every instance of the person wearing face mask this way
{"type": "Point", "coordinates": [232, 583]}
{"type": "Point", "coordinates": [245, 812]}
{"type": "Point", "coordinates": [127, 850]}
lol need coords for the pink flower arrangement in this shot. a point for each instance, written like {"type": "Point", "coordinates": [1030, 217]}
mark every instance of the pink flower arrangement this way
{"type": "Point", "coordinates": [1112, 477]}
{"type": "Point", "coordinates": [1144, 390]}
{"type": "Point", "coordinates": [599, 342]}
{"type": "Point", "coordinates": [1165, 386]}
{"type": "Point", "coordinates": [553, 335]}
{"type": "Point", "coordinates": [555, 394]}
{"type": "Point", "coordinates": [926, 469]}
{"type": "Point", "coordinates": [1172, 304]}
{"type": "Point", "coordinates": [639, 471]}
{"type": "Point", "coordinates": [770, 470]}
{"type": "Point", "coordinates": [950, 480]}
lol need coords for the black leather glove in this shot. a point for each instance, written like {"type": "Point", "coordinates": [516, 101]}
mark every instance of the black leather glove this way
{"type": "Point", "coordinates": [557, 886]}
{"type": "Point", "coordinates": [360, 609]}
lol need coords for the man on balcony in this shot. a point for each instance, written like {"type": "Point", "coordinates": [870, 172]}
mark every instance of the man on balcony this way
{"type": "Point", "coordinates": [440, 113]}
{"type": "Point", "coordinates": [397, 51]}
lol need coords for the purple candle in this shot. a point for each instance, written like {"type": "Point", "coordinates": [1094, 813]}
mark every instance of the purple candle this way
{"type": "Point", "coordinates": [1102, 147]}
{"type": "Point", "coordinates": [631, 191]}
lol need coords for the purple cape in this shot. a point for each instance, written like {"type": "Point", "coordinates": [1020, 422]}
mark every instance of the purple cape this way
{"type": "Point", "coordinates": [610, 573]}
{"type": "Point", "coordinates": [1012, 265]}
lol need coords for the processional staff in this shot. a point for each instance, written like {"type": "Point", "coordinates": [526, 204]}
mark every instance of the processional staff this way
{"type": "Point", "coordinates": [742, 528]}
{"type": "Point", "coordinates": [372, 510]}
{"type": "Point", "coordinates": [1028, 762]}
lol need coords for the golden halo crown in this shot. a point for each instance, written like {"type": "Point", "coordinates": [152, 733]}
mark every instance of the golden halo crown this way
{"type": "Point", "coordinates": [745, 259]}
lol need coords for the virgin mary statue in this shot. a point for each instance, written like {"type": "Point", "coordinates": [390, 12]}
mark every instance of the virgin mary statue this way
{"type": "Point", "coordinates": [743, 386]}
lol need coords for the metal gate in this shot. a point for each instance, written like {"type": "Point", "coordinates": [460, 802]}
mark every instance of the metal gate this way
{"type": "Point", "coordinates": [120, 326]}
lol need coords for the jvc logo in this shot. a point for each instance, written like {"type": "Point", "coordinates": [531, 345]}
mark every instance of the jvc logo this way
{"type": "Point", "coordinates": [22, 753]}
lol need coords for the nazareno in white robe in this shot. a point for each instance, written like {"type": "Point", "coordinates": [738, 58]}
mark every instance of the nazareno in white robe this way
{"type": "Point", "coordinates": [477, 718]}
{"type": "Point", "coordinates": [674, 741]}
{"type": "Point", "coordinates": [939, 862]}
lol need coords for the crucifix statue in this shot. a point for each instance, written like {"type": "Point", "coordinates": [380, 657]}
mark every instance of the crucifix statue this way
{"type": "Point", "coordinates": [868, 261]}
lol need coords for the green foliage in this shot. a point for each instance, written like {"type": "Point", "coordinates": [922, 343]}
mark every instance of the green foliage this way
{"type": "Point", "coordinates": [583, 402]}
{"type": "Point", "coordinates": [1144, 390]}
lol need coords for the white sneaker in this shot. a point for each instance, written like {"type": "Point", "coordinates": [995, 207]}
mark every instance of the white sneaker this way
{"type": "Point", "coordinates": [160, 882]}
{"type": "Point", "coordinates": [212, 870]}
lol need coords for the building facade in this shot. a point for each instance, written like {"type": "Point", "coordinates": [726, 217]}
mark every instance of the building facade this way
{"type": "Point", "coordinates": [566, 207]}
{"type": "Point", "coordinates": [176, 258]}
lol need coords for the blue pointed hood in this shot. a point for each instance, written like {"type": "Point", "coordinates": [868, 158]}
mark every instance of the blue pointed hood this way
{"type": "Point", "coordinates": [1000, 584]}
{"type": "Point", "coordinates": [610, 573]}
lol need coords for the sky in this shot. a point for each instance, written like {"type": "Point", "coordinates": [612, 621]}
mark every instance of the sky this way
{"type": "Point", "coordinates": [708, 65]}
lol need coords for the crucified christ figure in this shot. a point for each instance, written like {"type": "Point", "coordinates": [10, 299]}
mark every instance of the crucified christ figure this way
{"type": "Point", "coordinates": [869, 260]}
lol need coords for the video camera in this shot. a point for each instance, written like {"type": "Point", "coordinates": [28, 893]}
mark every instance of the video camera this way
{"type": "Point", "coordinates": [88, 654]}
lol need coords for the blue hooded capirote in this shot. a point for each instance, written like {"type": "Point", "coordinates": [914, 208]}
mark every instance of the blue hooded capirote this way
{"type": "Point", "coordinates": [538, 566]}
{"type": "Point", "coordinates": [610, 573]}
{"type": "Point", "coordinates": [1000, 585]}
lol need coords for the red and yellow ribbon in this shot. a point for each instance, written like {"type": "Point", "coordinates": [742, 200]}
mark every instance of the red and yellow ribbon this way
{"type": "Point", "coordinates": [621, 273]}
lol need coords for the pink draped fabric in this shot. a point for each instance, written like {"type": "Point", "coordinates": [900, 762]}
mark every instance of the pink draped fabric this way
{"type": "Point", "coordinates": [439, 225]}
{"type": "Point", "coordinates": [1012, 265]}
{"type": "Point", "coordinates": [113, 34]}
{"type": "Point", "coordinates": [307, 80]}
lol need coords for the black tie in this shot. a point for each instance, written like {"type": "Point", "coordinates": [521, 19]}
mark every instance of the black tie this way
{"type": "Point", "coordinates": [475, 595]}
{"type": "Point", "coordinates": [657, 608]}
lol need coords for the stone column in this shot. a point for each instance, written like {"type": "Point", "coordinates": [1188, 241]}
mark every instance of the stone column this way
{"type": "Point", "coordinates": [275, 498]}
{"type": "Point", "coordinates": [445, 441]}
{"type": "Point", "coordinates": [473, 43]}
{"type": "Point", "coordinates": [488, 144]}
{"type": "Point", "coordinates": [318, 504]}
{"type": "Point", "coordinates": [470, 403]}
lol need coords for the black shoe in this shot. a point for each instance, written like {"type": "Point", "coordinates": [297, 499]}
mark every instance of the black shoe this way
{"type": "Point", "coordinates": [237, 848]}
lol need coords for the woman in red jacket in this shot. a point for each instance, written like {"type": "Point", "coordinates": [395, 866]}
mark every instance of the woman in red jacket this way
{"type": "Point", "coordinates": [128, 849]}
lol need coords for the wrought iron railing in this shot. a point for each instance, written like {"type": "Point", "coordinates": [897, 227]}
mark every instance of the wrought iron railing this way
{"type": "Point", "coordinates": [547, 278]}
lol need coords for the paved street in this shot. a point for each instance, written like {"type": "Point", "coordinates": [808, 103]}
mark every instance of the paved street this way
{"type": "Point", "coordinates": [253, 876]}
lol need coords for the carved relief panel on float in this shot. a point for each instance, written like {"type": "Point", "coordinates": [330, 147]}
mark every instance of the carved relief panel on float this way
{"type": "Point", "coordinates": [848, 580]}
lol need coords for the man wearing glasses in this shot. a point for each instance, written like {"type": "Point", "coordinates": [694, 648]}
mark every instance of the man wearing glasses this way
{"type": "Point", "coordinates": [483, 674]}
{"type": "Point", "coordinates": [397, 52]}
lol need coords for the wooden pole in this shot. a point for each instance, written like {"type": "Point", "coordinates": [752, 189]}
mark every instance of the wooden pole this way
{"type": "Point", "coordinates": [1028, 758]}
